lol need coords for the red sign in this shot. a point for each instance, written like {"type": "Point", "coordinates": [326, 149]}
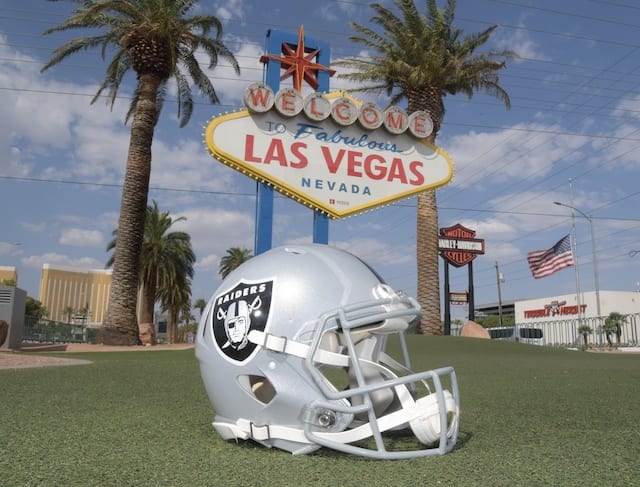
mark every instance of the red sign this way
{"type": "Point", "coordinates": [458, 245]}
{"type": "Point", "coordinates": [459, 298]}
{"type": "Point", "coordinates": [554, 308]}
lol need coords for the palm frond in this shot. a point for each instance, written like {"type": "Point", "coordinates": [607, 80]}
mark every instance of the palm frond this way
{"type": "Point", "coordinates": [185, 99]}
{"type": "Point", "coordinates": [129, 27]}
{"type": "Point", "coordinates": [415, 56]}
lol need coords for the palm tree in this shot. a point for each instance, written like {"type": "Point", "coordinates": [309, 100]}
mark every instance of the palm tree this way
{"type": "Point", "coordinates": [156, 40]}
{"type": "Point", "coordinates": [68, 312]}
{"type": "Point", "coordinates": [84, 314]}
{"type": "Point", "coordinates": [200, 304]}
{"type": "Point", "coordinates": [613, 324]}
{"type": "Point", "coordinates": [421, 58]}
{"type": "Point", "coordinates": [175, 295]}
{"type": "Point", "coordinates": [234, 258]}
{"type": "Point", "coordinates": [33, 307]}
{"type": "Point", "coordinates": [164, 255]}
{"type": "Point", "coordinates": [585, 331]}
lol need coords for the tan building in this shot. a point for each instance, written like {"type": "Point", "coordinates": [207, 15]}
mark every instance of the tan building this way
{"type": "Point", "coordinates": [8, 273]}
{"type": "Point", "coordinates": [64, 287]}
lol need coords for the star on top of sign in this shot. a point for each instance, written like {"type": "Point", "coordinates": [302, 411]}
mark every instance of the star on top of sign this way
{"type": "Point", "coordinates": [298, 63]}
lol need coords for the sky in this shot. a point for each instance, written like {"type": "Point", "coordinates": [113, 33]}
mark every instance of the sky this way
{"type": "Point", "coordinates": [572, 135]}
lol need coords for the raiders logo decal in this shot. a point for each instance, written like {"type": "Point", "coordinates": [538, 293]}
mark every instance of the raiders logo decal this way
{"type": "Point", "coordinates": [238, 311]}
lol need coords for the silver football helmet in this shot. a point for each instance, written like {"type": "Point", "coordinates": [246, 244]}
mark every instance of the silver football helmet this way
{"type": "Point", "coordinates": [293, 354]}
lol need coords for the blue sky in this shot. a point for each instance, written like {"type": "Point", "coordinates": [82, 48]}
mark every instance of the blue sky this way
{"type": "Point", "coordinates": [575, 116]}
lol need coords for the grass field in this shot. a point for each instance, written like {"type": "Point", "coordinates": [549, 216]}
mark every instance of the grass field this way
{"type": "Point", "coordinates": [530, 416]}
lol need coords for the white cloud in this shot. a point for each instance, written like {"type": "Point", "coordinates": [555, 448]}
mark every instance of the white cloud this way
{"type": "Point", "coordinates": [229, 86]}
{"type": "Point", "coordinates": [230, 10]}
{"type": "Point", "coordinates": [34, 227]}
{"type": "Point", "coordinates": [382, 253]}
{"type": "Point", "coordinates": [100, 152]}
{"type": "Point", "coordinates": [37, 261]}
{"type": "Point", "coordinates": [521, 43]}
{"type": "Point", "coordinates": [186, 164]}
{"type": "Point", "coordinates": [77, 237]}
{"type": "Point", "coordinates": [332, 11]}
{"type": "Point", "coordinates": [208, 262]}
{"type": "Point", "coordinates": [491, 228]}
{"type": "Point", "coordinates": [213, 231]}
{"type": "Point", "coordinates": [64, 122]}
{"type": "Point", "coordinates": [10, 248]}
{"type": "Point", "coordinates": [525, 151]}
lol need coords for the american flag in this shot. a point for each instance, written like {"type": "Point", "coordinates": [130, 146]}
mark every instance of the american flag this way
{"type": "Point", "coordinates": [543, 263]}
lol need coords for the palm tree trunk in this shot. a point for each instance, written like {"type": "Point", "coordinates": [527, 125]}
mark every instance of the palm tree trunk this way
{"type": "Point", "coordinates": [148, 302]}
{"type": "Point", "coordinates": [174, 333]}
{"type": "Point", "coordinates": [428, 291]}
{"type": "Point", "coordinates": [427, 255]}
{"type": "Point", "coordinates": [121, 325]}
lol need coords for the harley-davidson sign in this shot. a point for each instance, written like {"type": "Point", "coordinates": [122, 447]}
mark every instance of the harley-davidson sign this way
{"type": "Point", "coordinates": [329, 151]}
{"type": "Point", "coordinates": [458, 245]}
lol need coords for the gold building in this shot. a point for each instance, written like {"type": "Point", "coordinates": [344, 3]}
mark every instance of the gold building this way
{"type": "Point", "coordinates": [63, 287]}
{"type": "Point", "coordinates": [8, 273]}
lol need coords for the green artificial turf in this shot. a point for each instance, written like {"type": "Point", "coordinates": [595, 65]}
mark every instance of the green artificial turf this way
{"type": "Point", "coordinates": [530, 416]}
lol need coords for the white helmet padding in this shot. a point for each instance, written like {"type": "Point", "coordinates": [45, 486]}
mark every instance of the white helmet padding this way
{"type": "Point", "coordinates": [315, 371]}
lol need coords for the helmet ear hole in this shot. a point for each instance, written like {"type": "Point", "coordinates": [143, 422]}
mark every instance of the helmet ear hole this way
{"type": "Point", "coordinates": [258, 387]}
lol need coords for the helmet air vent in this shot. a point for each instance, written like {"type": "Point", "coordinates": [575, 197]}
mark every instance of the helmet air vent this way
{"type": "Point", "coordinates": [258, 387]}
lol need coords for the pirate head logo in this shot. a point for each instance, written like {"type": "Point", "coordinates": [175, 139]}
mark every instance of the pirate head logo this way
{"type": "Point", "coordinates": [238, 311]}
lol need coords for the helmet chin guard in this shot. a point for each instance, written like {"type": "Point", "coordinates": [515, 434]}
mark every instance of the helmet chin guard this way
{"type": "Point", "coordinates": [312, 369]}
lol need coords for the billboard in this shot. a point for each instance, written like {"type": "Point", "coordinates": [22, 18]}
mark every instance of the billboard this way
{"type": "Point", "coordinates": [330, 152]}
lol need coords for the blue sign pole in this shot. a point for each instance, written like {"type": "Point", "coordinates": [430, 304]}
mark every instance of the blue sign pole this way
{"type": "Point", "coordinates": [320, 220]}
{"type": "Point", "coordinates": [265, 193]}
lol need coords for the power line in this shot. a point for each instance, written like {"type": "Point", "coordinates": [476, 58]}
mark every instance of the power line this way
{"type": "Point", "coordinates": [116, 185]}
{"type": "Point", "coordinates": [235, 193]}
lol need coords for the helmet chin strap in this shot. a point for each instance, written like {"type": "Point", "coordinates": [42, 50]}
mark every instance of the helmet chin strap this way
{"type": "Point", "coordinates": [423, 416]}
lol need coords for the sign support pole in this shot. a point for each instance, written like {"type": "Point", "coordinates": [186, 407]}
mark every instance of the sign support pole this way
{"type": "Point", "coordinates": [263, 234]}
{"type": "Point", "coordinates": [457, 245]}
{"type": "Point", "coordinates": [447, 300]}
{"type": "Point", "coordinates": [265, 193]}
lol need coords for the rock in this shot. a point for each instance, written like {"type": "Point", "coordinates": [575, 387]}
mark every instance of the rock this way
{"type": "Point", "coordinates": [147, 334]}
{"type": "Point", "coordinates": [474, 330]}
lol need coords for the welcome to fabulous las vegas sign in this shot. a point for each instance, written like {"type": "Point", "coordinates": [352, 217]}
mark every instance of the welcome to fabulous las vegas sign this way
{"type": "Point", "coordinates": [329, 151]}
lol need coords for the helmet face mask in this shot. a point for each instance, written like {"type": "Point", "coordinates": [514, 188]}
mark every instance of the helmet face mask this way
{"type": "Point", "coordinates": [293, 354]}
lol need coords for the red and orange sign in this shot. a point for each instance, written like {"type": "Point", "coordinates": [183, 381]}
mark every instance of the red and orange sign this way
{"type": "Point", "coordinates": [458, 245]}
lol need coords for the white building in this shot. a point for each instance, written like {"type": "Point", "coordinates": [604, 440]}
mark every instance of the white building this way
{"type": "Point", "coordinates": [559, 319]}
{"type": "Point", "coordinates": [566, 306]}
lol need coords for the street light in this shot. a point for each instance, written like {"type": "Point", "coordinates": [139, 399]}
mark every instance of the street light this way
{"type": "Point", "coordinates": [593, 251]}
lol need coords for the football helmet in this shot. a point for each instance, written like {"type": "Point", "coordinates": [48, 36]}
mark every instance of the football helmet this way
{"type": "Point", "coordinates": [293, 354]}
